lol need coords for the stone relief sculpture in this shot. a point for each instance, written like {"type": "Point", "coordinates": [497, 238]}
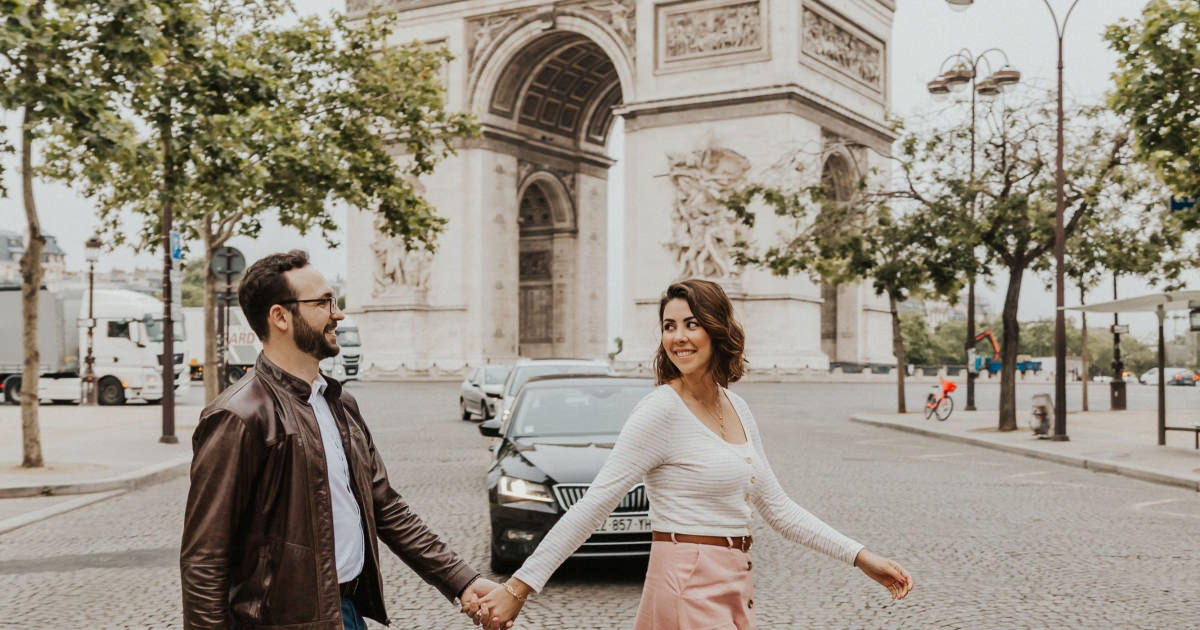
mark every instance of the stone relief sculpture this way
{"type": "Point", "coordinates": [397, 268]}
{"type": "Point", "coordinates": [715, 30]}
{"type": "Point", "coordinates": [619, 14]}
{"type": "Point", "coordinates": [703, 229]}
{"type": "Point", "coordinates": [483, 32]}
{"type": "Point", "coordinates": [830, 42]}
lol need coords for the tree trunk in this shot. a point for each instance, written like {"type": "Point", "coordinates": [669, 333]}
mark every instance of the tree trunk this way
{"type": "Point", "coordinates": [212, 385]}
{"type": "Point", "coordinates": [898, 350]}
{"type": "Point", "coordinates": [1009, 349]}
{"type": "Point", "coordinates": [1083, 350]}
{"type": "Point", "coordinates": [31, 281]}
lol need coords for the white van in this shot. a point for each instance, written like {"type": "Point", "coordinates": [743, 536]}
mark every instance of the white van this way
{"type": "Point", "coordinates": [347, 365]}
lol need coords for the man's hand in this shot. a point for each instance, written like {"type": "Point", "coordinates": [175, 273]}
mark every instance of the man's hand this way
{"type": "Point", "coordinates": [886, 572]}
{"type": "Point", "coordinates": [498, 610]}
{"type": "Point", "coordinates": [472, 596]}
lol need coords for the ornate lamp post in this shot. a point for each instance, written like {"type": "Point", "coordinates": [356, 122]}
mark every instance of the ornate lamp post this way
{"type": "Point", "coordinates": [964, 69]}
{"type": "Point", "coordinates": [91, 250]}
{"type": "Point", "coordinates": [1060, 326]}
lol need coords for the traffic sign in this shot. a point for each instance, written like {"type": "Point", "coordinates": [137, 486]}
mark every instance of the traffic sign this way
{"type": "Point", "coordinates": [227, 261]}
{"type": "Point", "coordinates": [1119, 329]}
{"type": "Point", "coordinates": [1182, 203]}
{"type": "Point", "coordinates": [176, 246]}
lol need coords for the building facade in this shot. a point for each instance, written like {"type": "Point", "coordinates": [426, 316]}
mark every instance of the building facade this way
{"type": "Point", "coordinates": [715, 94]}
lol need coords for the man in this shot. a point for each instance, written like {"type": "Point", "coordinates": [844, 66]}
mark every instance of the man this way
{"type": "Point", "coordinates": [289, 495]}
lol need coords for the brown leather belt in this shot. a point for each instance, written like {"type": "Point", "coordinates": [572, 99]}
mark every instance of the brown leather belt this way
{"type": "Point", "coordinates": [347, 588]}
{"type": "Point", "coordinates": [733, 542]}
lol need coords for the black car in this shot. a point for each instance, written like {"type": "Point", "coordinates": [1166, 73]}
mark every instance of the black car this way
{"type": "Point", "coordinates": [559, 434]}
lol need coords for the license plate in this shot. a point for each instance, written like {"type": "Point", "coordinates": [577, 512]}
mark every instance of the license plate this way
{"type": "Point", "coordinates": [624, 525]}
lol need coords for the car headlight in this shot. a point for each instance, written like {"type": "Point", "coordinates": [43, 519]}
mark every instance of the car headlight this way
{"type": "Point", "coordinates": [513, 489]}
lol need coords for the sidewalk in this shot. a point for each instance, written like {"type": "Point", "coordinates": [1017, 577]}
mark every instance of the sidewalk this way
{"type": "Point", "coordinates": [1121, 442]}
{"type": "Point", "coordinates": [93, 451]}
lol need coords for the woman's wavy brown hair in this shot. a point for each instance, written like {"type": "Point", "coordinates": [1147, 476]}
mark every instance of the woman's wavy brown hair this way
{"type": "Point", "coordinates": [714, 312]}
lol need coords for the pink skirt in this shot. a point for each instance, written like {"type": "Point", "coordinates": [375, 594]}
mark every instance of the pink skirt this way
{"type": "Point", "coordinates": [697, 587]}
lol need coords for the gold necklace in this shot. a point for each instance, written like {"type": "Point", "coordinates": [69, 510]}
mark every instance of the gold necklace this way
{"type": "Point", "coordinates": [720, 416]}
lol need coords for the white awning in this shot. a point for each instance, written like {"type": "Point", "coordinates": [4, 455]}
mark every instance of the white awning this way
{"type": "Point", "coordinates": [1170, 301]}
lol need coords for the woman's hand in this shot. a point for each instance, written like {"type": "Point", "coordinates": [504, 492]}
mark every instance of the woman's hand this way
{"type": "Point", "coordinates": [498, 609]}
{"type": "Point", "coordinates": [885, 571]}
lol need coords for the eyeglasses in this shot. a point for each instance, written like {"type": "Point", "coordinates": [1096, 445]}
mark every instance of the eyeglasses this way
{"type": "Point", "coordinates": [329, 302]}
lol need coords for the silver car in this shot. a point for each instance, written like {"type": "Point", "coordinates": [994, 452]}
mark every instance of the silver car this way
{"type": "Point", "coordinates": [526, 369]}
{"type": "Point", "coordinates": [479, 393]}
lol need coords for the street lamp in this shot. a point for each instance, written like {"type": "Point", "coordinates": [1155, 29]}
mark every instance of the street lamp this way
{"type": "Point", "coordinates": [965, 70]}
{"type": "Point", "coordinates": [91, 252]}
{"type": "Point", "coordinates": [1060, 326]}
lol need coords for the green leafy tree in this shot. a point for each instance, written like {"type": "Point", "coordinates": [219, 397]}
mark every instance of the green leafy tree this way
{"type": "Point", "coordinates": [63, 65]}
{"type": "Point", "coordinates": [844, 233]}
{"type": "Point", "coordinates": [246, 118]}
{"type": "Point", "coordinates": [1157, 91]}
{"type": "Point", "coordinates": [1014, 194]}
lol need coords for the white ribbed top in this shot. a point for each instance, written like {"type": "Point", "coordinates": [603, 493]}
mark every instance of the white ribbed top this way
{"type": "Point", "coordinates": [697, 483]}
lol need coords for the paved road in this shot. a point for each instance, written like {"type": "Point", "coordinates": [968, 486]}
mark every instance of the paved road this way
{"type": "Point", "coordinates": [993, 540]}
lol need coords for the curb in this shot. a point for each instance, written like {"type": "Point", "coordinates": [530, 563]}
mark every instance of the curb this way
{"type": "Point", "coordinates": [147, 476]}
{"type": "Point", "coordinates": [54, 510]}
{"type": "Point", "coordinates": [1096, 465]}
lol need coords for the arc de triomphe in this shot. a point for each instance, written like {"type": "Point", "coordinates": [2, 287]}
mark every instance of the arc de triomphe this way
{"type": "Point", "coordinates": [714, 93]}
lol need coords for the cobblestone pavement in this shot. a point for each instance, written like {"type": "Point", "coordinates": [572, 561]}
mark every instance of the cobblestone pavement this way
{"type": "Point", "coordinates": [993, 540]}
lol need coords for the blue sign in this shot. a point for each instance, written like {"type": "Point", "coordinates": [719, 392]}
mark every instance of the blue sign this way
{"type": "Point", "coordinates": [176, 246]}
{"type": "Point", "coordinates": [1182, 203]}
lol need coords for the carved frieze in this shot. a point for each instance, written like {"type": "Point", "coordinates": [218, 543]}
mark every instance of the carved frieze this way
{"type": "Point", "coordinates": [703, 229]}
{"type": "Point", "coordinates": [619, 15]}
{"type": "Point", "coordinates": [828, 40]}
{"type": "Point", "coordinates": [398, 271]}
{"type": "Point", "coordinates": [710, 32]}
{"type": "Point", "coordinates": [535, 265]}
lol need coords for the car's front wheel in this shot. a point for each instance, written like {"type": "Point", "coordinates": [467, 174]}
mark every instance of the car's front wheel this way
{"type": "Point", "coordinates": [462, 406]}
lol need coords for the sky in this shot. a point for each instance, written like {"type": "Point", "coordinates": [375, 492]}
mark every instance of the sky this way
{"type": "Point", "coordinates": [925, 32]}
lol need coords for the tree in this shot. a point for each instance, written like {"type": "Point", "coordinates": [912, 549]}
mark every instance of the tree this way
{"type": "Point", "coordinates": [843, 233]}
{"type": "Point", "coordinates": [63, 65]}
{"type": "Point", "coordinates": [246, 118]}
{"type": "Point", "coordinates": [1156, 89]}
{"type": "Point", "coordinates": [1014, 193]}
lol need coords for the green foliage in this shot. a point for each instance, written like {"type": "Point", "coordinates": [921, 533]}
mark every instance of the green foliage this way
{"type": "Point", "coordinates": [1157, 91]}
{"type": "Point", "coordinates": [240, 117]}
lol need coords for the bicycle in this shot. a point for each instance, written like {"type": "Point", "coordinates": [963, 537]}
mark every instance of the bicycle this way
{"type": "Point", "coordinates": [940, 405]}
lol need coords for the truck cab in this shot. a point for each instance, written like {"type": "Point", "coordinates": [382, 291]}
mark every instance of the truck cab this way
{"type": "Point", "coordinates": [347, 365]}
{"type": "Point", "coordinates": [128, 345]}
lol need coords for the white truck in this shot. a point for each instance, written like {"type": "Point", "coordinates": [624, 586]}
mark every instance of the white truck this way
{"type": "Point", "coordinates": [242, 347]}
{"type": "Point", "coordinates": [347, 365]}
{"type": "Point", "coordinates": [126, 345]}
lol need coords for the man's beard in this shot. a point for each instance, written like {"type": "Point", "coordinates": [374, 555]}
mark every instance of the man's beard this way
{"type": "Point", "coordinates": [312, 341]}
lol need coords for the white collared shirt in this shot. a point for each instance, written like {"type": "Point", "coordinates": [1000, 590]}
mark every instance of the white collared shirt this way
{"type": "Point", "coordinates": [347, 520]}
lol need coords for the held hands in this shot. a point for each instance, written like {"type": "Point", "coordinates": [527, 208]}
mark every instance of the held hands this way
{"type": "Point", "coordinates": [498, 609]}
{"type": "Point", "coordinates": [471, 599]}
{"type": "Point", "coordinates": [885, 571]}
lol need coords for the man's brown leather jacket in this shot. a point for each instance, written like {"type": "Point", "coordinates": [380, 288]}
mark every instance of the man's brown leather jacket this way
{"type": "Point", "coordinates": [257, 546]}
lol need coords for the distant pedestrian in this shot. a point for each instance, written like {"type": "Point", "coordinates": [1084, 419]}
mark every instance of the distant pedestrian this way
{"type": "Point", "coordinates": [697, 448]}
{"type": "Point", "coordinates": [289, 495]}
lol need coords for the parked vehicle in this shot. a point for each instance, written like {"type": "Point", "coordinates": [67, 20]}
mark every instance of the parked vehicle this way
{"type": "Point", "coordinates": [479, 393]}
{"type": "Point", "coordinates": [126, 346]}
{"type": "Point", "coordinates": [1186, 376]}
{"type": "Point", "coordinates": [1182, 377]}
{"type": "Point", "coordinates": [241, 349]}
{"type": "Point", "coordinates": [558, 436]}
{"type": "Point", "coordinates": [347, 365]}
{"type": "Point", "coordinates": [526, 369]}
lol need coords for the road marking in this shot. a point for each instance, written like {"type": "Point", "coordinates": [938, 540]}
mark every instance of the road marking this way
{"type": "Point", "coordinates": [1032, 473]}
{"type": "Point", "coordinates": [1146, 504]}
{"type": "Point", "coordinates": [936, 455]}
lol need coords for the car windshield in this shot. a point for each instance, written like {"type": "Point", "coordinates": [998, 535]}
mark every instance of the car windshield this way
{"type": "Point", "coordinates": [154, 329]}
{"type": "Point", "coordinates": [348, 337]}
{"type": "Point", "coordinates": [495, 374]}
{"type": "Point", "coordinates": [576, 409]}
{"type": "Point", "coordinates": [526, 372]}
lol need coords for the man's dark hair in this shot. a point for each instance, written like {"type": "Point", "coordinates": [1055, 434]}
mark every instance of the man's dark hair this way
{"type": "Point", "coordinates": [263, 286]}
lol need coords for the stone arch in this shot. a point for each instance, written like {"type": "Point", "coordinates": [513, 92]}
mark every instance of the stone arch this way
{"type": "Point", "coordinates": [837, 173]}
{"type": "Point", "coordinates": [559, 200]}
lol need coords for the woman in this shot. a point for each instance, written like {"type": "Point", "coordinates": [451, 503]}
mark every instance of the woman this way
{"type": "Point", "coordinates": [698, 449]}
